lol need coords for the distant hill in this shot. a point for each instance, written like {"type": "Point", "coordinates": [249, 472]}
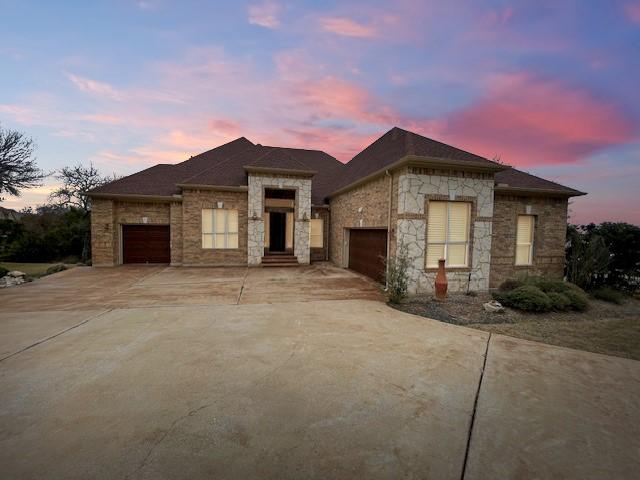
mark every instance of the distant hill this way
{"type": "Point", "coordinates": [8, 213]}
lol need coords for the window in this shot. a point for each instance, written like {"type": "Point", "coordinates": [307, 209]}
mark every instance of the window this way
{"type": "Point", "coordinates": [448, 234]}
{"type": "Point", "coordinates": [219, 228]}
{"type": "Point", "coordinates": [315, 233]}
{"type": "Point", "coordinates": [524, 240]}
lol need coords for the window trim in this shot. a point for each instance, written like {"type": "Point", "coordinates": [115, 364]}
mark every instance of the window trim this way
{"type": "Point", "coordinates": [446, 242]}
{"type": "Point", "coordinates": [531, 240]}
{"type": "Point", "coordinates": [226, 231]}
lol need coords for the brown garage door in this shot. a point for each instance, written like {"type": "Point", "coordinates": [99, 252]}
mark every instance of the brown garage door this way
{"type": "Point", "coordinates": [367, 252]}
{"type": "Point", "coordinates": [145, 244]}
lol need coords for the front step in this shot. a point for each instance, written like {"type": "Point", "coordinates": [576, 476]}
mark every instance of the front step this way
{"type": "Point", "coordinates": [280, 261]}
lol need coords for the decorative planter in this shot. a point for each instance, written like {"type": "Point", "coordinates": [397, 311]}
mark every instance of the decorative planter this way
{"type": "Point", "coordinates": [441, 281]}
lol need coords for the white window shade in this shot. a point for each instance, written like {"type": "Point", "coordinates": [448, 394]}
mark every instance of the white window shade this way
{"type": "Point", "coordinates": [219, 228]}
{"type": "Point", "coordinates": [448, 231]}
{"type": "Point", "coordinates": [524, 239]}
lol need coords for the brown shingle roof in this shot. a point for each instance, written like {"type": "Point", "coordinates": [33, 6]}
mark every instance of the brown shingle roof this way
{"type": "Point", "coordinates": [396, 144]}
{"type": "Point", "coordinates": [225, 166]}
{"type": "Point", "coordinates": [513, 178]}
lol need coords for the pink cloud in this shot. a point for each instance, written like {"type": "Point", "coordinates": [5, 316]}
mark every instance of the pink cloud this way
{"type": "Point", "coordinates": [103, 119]}
{"type": "Point", "coordinates": [96, 88]}
{"type": "Point", "coordinates": [346, 27]}
{"type": "Point", "coordinates": [632, 11]}
{"type": "Point", "coordinates": [264, 15]}
{"type": "Point", "coordinates": [528, 121]}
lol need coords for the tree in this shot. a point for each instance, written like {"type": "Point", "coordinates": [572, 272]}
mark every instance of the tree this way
{"type": "Point", "coordinates": [76, 182]}
{"type": "Point", "coordinates": [18, 168]}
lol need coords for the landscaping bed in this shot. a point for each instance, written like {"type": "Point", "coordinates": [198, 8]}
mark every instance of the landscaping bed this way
{"type": "Point", "coordinates": [603, 328]}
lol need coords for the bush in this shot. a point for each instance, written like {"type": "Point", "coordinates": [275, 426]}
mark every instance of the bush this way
{"type": "Point", "coordinates": [528, 298]}
{"type": "Point", "coordinates": [578, 298]}
{"type": "Point", "coordinates": [510, 284]}
{"type": "Point", "coordinates": [540, 294]}
{"type": "Point", "coordinates": [397, 276]}
{"type": "Point", "coordinates": [608, 294]}
{"type": "Point", "coordinates": [58, 267]}
{"type": "Point", "coordinates": [559, 301]}
{"type": "Point", "coordinates": [3, 272]}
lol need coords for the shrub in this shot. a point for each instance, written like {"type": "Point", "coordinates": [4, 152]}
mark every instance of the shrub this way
{"type": "Point", "coordinates": [559, 301]}
{"type": "Point", "coordinates": [398, 275]}
{"type": "Point", "coordinates": [608, 294]}
{"type": "Point", "coordinates": [510, 284]}
{"type": "Point", "coordinates": [578, 298]}
{"type": "Point", "coordinates": [58, 267]}
{"type": "Point", "coordinates": [3, 271]}
{"type": "Point", "coordinates": [528, 298]}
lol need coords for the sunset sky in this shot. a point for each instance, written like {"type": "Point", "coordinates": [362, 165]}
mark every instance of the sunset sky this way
{"type": "Point", "coordinates": [553, 90]}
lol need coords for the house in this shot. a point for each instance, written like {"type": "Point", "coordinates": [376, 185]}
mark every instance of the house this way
{"type": "Point", "coordinates": [248, 204]}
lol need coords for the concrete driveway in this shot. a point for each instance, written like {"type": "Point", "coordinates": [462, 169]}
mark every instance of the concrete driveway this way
{"type": "Point", "coordinates": [154, 372]}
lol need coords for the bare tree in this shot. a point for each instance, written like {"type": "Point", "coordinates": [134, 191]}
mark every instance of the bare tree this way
{"type": "Point", "coordinates": [18, 168]}
{"type": "Point", "coordinates": [76, 181]}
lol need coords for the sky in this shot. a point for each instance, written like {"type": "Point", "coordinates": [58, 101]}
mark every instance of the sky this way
{"type": "Point", "coordinates": [551, 87]}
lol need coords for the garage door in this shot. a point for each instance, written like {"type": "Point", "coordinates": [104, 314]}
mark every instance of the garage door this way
{"type": "Point", "coordinates": [145, 244]}
{"type": "Point", "coordinates": [367, 252]}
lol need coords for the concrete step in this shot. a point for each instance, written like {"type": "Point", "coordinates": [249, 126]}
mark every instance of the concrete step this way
{"type": "Point", "coordinates": [280, 261]}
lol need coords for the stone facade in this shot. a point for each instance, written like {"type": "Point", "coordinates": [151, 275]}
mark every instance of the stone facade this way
{"type": "Point", "coordinates": [321, 254]}
{"type": "Point", "coordinates": [548, 242]}
{"type": "Point", "coordinates": [107, 217]}
{"type": "Point", "coordinates": [417, 187]}
{"type": "Point", "coordinates": [398, 202]}
{"type": "Point", "coordinates": [366, 206]}
{"type": "Point", "coordinates": [175, 215]}
{"type": "Point", "coordinates": [257, 185]}
{"type": "Point", "coordinates": [102, 233]}
{"type": "Point", "coordinates": [193, 201]}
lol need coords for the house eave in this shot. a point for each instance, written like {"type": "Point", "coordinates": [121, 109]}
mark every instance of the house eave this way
{"type": "Point", "coordinates": [135, 197]}
{"type": "Point", "coordinates": [221, 188]}
{"type": "Point", "coordinates": [279, 171]}
{"type": "Point", "coordinates": [539, 192]}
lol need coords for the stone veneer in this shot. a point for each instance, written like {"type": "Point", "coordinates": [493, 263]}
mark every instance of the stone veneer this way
{"type": "Point", "coordinates": [548, 242]}
{"type": "Point", "coordinates": [258, 182]}
{"type": "Point", "coordinates": [416, 187]}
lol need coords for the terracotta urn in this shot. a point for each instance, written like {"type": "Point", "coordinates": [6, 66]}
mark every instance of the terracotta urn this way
{"type": "Point", "coordinates": [441, 281]}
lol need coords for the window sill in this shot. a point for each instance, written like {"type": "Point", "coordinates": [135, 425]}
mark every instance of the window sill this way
{"type": "Point", "coordinates": [448, 269]}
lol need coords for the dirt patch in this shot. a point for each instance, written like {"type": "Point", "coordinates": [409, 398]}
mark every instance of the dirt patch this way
{"type": "Point", "coordinates": [604, 328]}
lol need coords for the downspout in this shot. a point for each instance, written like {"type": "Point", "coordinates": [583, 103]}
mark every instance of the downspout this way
{"type": "Point", "coordinates": [386, 282]}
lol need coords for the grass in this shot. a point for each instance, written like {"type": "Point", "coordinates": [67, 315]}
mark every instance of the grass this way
{"type": "Point", "coordinates": [607, 328]}
{"type": "Point", "coordinates": [619, 337]}
{"type": "Point", "coordinates": [34, 270]}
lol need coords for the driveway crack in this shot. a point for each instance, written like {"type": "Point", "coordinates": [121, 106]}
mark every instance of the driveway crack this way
{"type": "Point", "coordinates": [39, 342]}
{"type": "Point", "coordinates": [475, 408]}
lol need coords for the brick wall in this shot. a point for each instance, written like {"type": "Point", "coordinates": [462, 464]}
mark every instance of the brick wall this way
{"type": "Point", "coordinates": [320, 254]}
{"type": "Point", "coordinates": [548, 243]}
{"type": "Point", "coordinates": [176, 233]}
{"type": "Point", "coordinates": [106, 218]}
{"type": "Point", "coordinates": [373, 197]}
{"type": "Point", "coordinates": [193, 201]}
{"type": "Point", "coordinates": [102, 232]}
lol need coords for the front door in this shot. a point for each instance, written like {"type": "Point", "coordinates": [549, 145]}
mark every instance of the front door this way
{"type": "Point", "coordinates": [277, 231]}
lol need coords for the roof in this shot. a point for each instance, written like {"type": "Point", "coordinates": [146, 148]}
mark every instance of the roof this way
{"type": "Point", "coordinates": [227, 166]}
{"type": "Point", "coordinates": [513, 179]}
{"type": "Point", "coordinates": [397, 144]}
